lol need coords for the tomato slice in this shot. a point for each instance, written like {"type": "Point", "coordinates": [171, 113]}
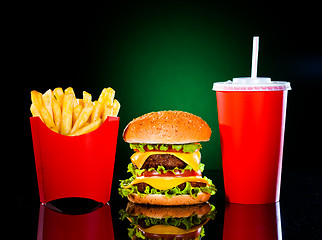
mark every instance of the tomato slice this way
{"type": "Point", "coordinates": [177, 173]}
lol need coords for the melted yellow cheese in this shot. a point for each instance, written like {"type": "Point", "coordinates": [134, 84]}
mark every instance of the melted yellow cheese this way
{"type": "Point", "coordinates": [192, 159]}
{"type": "Point", "coordinates": [164, 183]}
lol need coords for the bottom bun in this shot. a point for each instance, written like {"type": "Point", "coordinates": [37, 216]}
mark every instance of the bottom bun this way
{"type": "Point", "coordinates": [158, 199]}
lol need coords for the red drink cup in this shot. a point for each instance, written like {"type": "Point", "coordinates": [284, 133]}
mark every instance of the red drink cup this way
{"type": "Point", "coordinates": [251, 116]}
{"type": "Point", "coordinates": [75, 166]}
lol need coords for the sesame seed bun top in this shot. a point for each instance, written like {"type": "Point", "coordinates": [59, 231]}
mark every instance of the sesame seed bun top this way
{"type": "Point", "coordinates": [167, 127]}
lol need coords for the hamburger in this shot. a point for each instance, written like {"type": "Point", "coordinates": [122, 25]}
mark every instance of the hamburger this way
{"type": "Point", "coordinates": [167, 222]}
{"type": "Point", "coordinates": [166, 167]}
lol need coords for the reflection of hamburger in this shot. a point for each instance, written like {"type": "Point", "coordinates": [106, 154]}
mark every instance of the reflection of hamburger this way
{"type": "Point", "coordinates": [166, 168]}
{"type": "Point", "coordinates": [160, 222]}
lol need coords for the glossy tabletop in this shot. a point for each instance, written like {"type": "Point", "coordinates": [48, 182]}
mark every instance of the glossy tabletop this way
{"type": "Point", "coordinates": [296, 216]}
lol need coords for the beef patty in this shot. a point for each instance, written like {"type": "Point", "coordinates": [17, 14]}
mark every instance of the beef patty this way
{"type": "Point", "coordinates": [168, 161]}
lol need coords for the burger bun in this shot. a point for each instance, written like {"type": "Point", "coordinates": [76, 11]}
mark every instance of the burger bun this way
{"type": "Point", "coordinates": [167, 127]}
{"type": "Point", "coordinates": [159, 199]}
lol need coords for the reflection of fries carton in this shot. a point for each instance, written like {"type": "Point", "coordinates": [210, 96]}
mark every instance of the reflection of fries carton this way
{"type": "Point", "coordinates": [75, 166]}
{"type": "Point", "coordinates": [96, 225]}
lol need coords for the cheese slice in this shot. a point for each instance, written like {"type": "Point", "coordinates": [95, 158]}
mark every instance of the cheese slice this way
{"type": "Point", "coordinates": [192, 159]}
{"type": "Point", "coordinates": [164, 183]}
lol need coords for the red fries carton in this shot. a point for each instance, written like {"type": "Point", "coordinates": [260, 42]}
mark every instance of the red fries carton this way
{"type": "Point", "coordinates": [75, 166]}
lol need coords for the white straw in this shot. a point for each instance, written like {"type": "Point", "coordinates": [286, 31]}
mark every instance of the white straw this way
{"type": "Point", "coordinates": [255, 57]}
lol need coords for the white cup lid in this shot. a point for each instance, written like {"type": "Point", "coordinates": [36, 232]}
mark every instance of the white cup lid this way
{"type": "Point", "coordinates": [251, 84]}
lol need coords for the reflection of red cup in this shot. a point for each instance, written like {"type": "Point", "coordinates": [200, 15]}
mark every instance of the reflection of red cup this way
{"type": "Point", "coordinates": [251, 123]}
{"type": "Point", "coordinates": [252, 221]}
{"type": "Point", "coordinates": [77, 166]}
{"type": "Point", "coordinates": [94, 225]}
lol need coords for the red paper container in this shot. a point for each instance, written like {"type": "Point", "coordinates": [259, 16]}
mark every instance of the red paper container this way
{"type": "Point", "coordinates": [75, 166]}
{"type": "Point", "coordinates": [96, 225]}
{"type": "Point", "coordinates": [251, 117]}
{"type": "Point", "coordinates": [251, 128]}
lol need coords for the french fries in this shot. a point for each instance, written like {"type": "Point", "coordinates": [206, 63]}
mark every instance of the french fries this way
{"type": "Point", "coordinates": [83, 117]}
{"type": "Point", "coordinates": [67, 114]}
{"type": "Point", "coordinates": [38, 101]}
{"type": "Point", "coordinates": [88, 128]}
{"type": "Point", "coordinates": [63, 113]}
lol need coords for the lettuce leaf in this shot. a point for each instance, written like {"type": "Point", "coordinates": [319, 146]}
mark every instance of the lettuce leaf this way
{"type": "Point", "coordinates": [169, 193]}
{"type": "Point", "coordinates": [186, 148]}
{"type": "Point", "coordinates": [190, 148]}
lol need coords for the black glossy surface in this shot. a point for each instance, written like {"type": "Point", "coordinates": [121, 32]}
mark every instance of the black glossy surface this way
{"type": "Point", "coordinates": [300, 211]}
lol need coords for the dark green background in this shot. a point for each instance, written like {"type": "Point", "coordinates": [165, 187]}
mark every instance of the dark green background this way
{"type": "Point", "coordinates": [165, 55]}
